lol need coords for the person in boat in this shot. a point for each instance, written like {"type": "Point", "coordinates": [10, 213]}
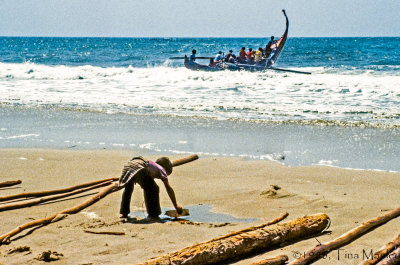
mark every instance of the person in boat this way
{"type": "Point", "coordinates": [144, 172]}
{"type": "Point", "coordinates": [230, 57]}
{"type": "Point", "coordinates": [242, 55]}
{"type": "Point", "coordinates": [218, 57]}
{"type": "Point", "coordinates": [212, 63]}
{"type": "Point", "coordinates": [193, 56]}
{"type": "Point", "coordinates": [250, 56]}
{"type": "Point", "coordinates": [258, 56]}
{"type": "Point", "coordinates": [268, 49]}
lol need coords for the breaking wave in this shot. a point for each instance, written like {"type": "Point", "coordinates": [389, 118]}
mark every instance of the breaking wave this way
{"type": "Point", "coordinates": [347, 97]}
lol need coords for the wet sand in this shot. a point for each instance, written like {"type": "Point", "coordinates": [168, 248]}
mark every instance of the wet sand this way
{"type": "Point", "coordinates": [233, 186]}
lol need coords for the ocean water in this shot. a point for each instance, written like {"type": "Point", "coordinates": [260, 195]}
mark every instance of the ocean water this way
{"type": "Point", "coordinates": [126, 93]}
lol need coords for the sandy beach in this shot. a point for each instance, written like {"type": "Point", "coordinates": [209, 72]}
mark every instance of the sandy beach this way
{"type": "Point", "coordinates": [232, 186]}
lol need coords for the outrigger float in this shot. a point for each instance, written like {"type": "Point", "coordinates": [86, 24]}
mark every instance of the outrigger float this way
{"type": "Point", "coordinates": [266, 64]}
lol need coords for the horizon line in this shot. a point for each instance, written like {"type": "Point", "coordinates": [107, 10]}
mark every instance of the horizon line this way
{"type": "Point", "coordinates": [187, 37]}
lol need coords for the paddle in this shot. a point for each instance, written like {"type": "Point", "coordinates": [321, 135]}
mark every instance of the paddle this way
{"type": "Point", "coordinates": [290, 71]}
{"type": "Point", "coordinates": [179, 58]}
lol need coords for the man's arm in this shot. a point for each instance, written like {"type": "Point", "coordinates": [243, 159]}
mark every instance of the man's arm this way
{"type": "Point", "coordinates": [171, 194]}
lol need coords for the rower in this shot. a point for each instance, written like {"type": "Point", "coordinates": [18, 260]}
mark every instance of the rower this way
{"type": "Point", "coordinates": [218, 57]}
{"type": "Point", "coordinates": [268, 49]}
{"type": "Point", "coordinates": [193, 56]}
{"type": "Point", "coordinates": [230, 57]}
{"type": "Point", "coordinates": [250, 56]}
{"type": "Point", "coordinates": [242, 55]}
{"type": "Point", "coordinates": [258, 57]}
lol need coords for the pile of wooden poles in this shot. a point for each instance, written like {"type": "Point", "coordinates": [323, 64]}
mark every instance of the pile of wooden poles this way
{"type": "Point", "coordinates": [36, 198]}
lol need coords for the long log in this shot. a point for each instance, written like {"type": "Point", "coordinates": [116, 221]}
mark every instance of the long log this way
{"type": "Point", "coordinates": [393, 258]}
{"type": "Point", "coordinates": [10, 183]}
{"type": "Point", "coordinates": [184, 160]}
{"type": "Point", "coordinates": [52, 192]}
{"type": "Point", "coordinates": [36, 201]}
{"type": "Point", "coordinates": [382, 252]}
{"type": "Point", "coordinates": [278, 260]}
{"type": "Point", "coordinates": [263, 239]}
{"type": "Point", "coordinates": [55, 217]}
{"type": "Point", "coordinates": [320, 250]}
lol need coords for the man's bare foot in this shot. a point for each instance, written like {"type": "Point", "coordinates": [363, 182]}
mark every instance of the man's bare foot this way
{"type": "Point", "coordinates": [123, 216]}
{"type": "Point", "coordinates": [153, 218]}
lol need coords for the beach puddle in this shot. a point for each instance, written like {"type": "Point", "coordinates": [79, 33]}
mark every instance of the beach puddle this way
{"type": "Point", "coordinates": [198, 213]}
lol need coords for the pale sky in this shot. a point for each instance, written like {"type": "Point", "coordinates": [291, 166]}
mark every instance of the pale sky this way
{"type": "Point", "coordinates": [199, 18]}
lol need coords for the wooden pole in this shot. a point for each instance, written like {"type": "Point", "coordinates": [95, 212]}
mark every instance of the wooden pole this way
{"type": "Point", "coordinates": [278, 260]}
{"type": "Point", "coordinates": [382, 252]}
{"type": "Point", "coordinates": [105, 233]}
{"type": "Point", "coordinates": [55, 217]}
{"type": "Point", "coordinates": [320, 250]}
{"type": "Point", "coordinates": [52, 192]}
{"type": "Point", "coordinates": [184, 160]}
{"type": "Point", "coordinates": [10, 183]}
{"type": "Point", "coordinates": [262, 239]}
{"type": "Point", "coordinates": [393, 258]}
{"type": "Point", "coordinates": [36, 201]}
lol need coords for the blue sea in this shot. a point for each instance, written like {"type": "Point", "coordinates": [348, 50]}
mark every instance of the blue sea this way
{"type": "Point", "coordinates": [125, 93]}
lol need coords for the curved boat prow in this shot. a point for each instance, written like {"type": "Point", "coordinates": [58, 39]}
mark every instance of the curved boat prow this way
{"type": "Point", "coordinates": [278, 46]}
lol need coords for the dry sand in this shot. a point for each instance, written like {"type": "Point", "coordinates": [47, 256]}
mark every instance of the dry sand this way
{"type": "Point", "coordinates": [233, 186]}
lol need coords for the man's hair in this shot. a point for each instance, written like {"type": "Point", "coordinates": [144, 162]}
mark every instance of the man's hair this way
{"type": "Point", "coordinates": [165, 163]}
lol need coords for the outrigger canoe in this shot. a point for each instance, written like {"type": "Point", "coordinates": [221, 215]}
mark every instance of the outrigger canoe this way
{"type": "Point", "coordinates": [268, 63]}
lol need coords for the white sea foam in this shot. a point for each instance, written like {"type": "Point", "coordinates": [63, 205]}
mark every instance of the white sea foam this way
{"type": "Point", "coordinates": [23, 136]}
{"type": "Point", "coordinates": [351, 96]}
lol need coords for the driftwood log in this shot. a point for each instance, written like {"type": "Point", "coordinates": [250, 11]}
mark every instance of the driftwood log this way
{"type": "Point", "coordinates": [55, 217]}
{"type": "Point", "coordinates": [320, 250]}
{"type": "Point", "coordinates": [262, 239]}
{"type": "Point", "coordinates": [382, 252]}
{"type": "Point", "coordinates": [393, 258]}
{"type": "Point", "coordinates": [36, 201]}
{"type": "Point", "coordinates": [278, 260]}
{"type": "Point", "coordinates": [10, 183]}
{"type": "Point", "coordinates": [52, 192]}
{"type": "Point", "coordinates": [184, 160]}
{"type": "Point", "coordinates": [105, 233]}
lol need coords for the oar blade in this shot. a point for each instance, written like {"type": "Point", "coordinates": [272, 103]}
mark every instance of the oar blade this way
{"type": "Point", "coordinates": [290, 71]}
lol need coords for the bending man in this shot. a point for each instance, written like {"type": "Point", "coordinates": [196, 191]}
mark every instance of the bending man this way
{"type": "Point", "coordinates": [143, 172]}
